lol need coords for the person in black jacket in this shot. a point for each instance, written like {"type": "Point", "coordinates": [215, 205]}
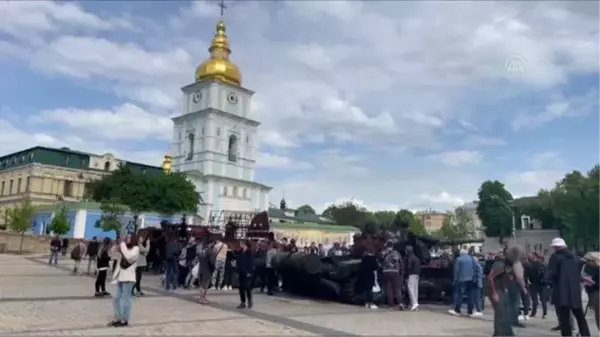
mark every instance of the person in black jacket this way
{"type": "Point", "coordinates": [244, 263]}
{"type": "Point", "coordinates": [366, 277]}
{"type": "Point", "coordinates": [92, 254]}
{"type": "Point", "coordinates": [534, 272]}
{"type": "Point", "coordinates": [564, 275]}
{"type": "Point", "coordinates": [102, 263]}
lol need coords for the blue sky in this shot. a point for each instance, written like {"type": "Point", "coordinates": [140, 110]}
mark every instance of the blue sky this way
{"type": "Point", "coordinates": [397, 104]}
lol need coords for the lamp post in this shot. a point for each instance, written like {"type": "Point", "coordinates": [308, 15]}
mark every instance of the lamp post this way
{"type": "Point", "coordinates": [512, 212]}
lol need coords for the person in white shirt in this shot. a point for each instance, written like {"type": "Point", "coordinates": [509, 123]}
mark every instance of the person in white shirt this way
{"type": "Point", "coordinates": [124, 278]}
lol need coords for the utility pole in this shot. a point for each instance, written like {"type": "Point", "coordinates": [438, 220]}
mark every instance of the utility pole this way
{"type": "Point", "coordinates": [513, 216]}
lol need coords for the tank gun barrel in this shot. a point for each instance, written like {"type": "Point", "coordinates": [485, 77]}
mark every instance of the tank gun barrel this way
{"type": "Point", "coordinates": [455, 242]}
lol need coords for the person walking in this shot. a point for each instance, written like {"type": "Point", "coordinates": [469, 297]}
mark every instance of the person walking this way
{"type": "Point", "coordinates": [54, 250]}
{"type": "Point", "coordinates": [537, 289]}
{"type": "Point", "coordinates": [206, 267]}
{"type": "Point", "coordinates": [172, 253]}
{"type": "Point", "coordinates": [367, 277]}
{"type": "Point", "coordinates": [141, 264]}
{"type": "Point", "coordinates": [500, 277]}
{"type": "Point", "coordinates": [102, 265]}
{"type": "Point", "coordinates": [271, 279]}
{"type": "Point", "coordinates": [124, 278]}
{"type": "Point", "coordinates": [564, 275]}
{"type": "Point", "coordinates": [413, 269]}
{"type": "Point", "coordinates": [391, 279]}
{"type": "Point", "coordinates": [220, 258]}
{"type": "Point", "coordinates": [244, 264]}
{"type": "Point", "coordinates": [92, 254]}
{"type": "Point", "coordinates": [592, 272]}
{"type": "Point", "coordinates": [64, 246]}
{"type": "Point", "coordinates": [464, 285]}
{"type": "Point", "coordinates": [227, 279]}
{"type": "Point", "coordinates": [77, 254]}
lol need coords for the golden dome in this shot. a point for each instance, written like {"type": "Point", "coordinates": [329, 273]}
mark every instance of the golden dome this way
{"type": "Point", "coordinates": [218, 65]}
{"type": "Point", "coordinates": [167, 164]}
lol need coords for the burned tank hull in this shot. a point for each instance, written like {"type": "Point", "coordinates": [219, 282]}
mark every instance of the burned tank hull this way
{"type": "Point", "coordinates": [328, 278]}
{"type": "Point", "coordinates": [334, 278]}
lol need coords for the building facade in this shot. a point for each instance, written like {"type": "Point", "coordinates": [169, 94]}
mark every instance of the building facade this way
{"type": "Point", "coordinates": [83, 216]}
{"type": "Point", "coordinates": [214, 140]}
{"type": "Point", "coordinates": [431, 220]}
{"type": "Point", "coordinates": [44, 175]}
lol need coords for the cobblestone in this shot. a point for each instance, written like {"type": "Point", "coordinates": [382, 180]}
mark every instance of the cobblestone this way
{"type": "Point", "coordinates": [37, 299]}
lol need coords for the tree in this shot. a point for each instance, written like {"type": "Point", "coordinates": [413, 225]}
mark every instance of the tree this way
{"type": "Point", "coordinates": [493, 209]}
{"type": "Point", "coordinates": [164, 193]}
{"type": "Point", "coordinates": [112, 215]}
{"type": "Point", "coordinates": [59, 224]}
{"type": "Point", "coordinates": [348, 214]}
{"type": "Point", "coordinates": [384, 219]}
{"type": "Point", "coordinates": [457, 225]}
{"type": "Point", "coordinates": [448, 230]}
{"type": "Point", "coordinates": [405, 218]}
{"type": "Point", "coordinates": [305, 209]}
{"type": "Point", "coordinates": [175, 194]}
{"type": "Point", "coordinates": [20, 219]}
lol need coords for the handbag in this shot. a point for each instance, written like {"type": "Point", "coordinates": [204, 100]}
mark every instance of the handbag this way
{"type": "Point", "coordinates": [376, 287]}
{"type": "Point", "coordinates": [210, 262]}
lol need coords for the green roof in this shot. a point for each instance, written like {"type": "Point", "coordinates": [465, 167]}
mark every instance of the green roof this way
{"type": "Point", "coordinates": [312, 226]}
{"type": "Point", "coordinates": [62, 157]}
{"type": "Point", "coordinates": [71, 206]}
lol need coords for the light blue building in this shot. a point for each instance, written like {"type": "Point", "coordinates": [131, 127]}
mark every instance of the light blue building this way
{"type": "Point", "coordinates": [83, 216]}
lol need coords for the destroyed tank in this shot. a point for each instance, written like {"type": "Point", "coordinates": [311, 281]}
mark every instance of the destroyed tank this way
{"type": "Point", "coordinates": [334, 278]}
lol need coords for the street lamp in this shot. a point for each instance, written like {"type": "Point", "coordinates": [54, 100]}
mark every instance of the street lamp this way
{"type": "Point", "coordinates": [512, 212]}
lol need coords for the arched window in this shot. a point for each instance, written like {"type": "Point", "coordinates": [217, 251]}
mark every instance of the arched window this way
{"type": "Point", "coordinates": [233, 148]}
{"type": "Point", "coordinates": [107, 166]}
{"type": "Point", "coordinates": [190, 146]}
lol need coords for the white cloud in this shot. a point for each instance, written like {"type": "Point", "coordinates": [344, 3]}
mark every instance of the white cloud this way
{"type": "Point", "coordinates": [458, 158]}
{"type": "Point", "coordinates": [530, 182]}
{"type": "Point", "coordinates": [443, 198]}
{"type": "Point", "coordinates": [127, 121]}
{"type": "Point", "coordinates": [357, 105]}
{"type": "Point", "coordinates": [546, 159]}
{"type": "Point", "coordinates": [558, 108]}
{"type": "Point", "coordinates": [272, 161]}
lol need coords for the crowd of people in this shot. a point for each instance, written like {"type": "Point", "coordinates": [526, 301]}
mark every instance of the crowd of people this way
{"type": "Point", "coordinates": [517, 284]}
{"type": "Point", "coordinates": [517, 279]}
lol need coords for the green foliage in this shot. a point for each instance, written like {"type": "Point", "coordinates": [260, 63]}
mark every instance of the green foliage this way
{"type": "Point", "coordinates": [494, 209]}
{"type": "Point", "coordinates": [347, 214]}
{"type": "Point", "coordinates": [59, 224]}
{"type": "Point", "coordinates": [167, 194]}
{"type": "Point", "coordinates": [457, 225]}
{"type": "Point", "coordinates": [305, 209]}
{"type": "Point", "coordinates": [350, 214]}
{"type": "Point", "coordinates": [112, 215]}
{"type": "Point", "coordinates": [20, 217]}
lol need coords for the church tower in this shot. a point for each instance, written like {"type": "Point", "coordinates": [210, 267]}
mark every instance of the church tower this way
{"type": "Point", "coordinates": [214, 140]}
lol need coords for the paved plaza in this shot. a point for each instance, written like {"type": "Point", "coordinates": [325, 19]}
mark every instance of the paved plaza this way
{"type": "Point", "coordinates": [37, 299]}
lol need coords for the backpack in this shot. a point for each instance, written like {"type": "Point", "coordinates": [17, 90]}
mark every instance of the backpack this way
{"type": "Point", "coordinates": [76, 252]}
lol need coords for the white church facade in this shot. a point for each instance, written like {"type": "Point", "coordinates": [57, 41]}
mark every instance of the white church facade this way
{"type": "Point", "coordinates": [214, 140]}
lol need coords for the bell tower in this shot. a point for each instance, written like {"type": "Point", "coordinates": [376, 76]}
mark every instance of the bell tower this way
{"type": "Point", "coordinates": [214, 138]}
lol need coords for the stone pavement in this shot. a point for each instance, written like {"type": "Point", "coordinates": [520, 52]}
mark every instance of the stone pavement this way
{"type": "Point", "coordinates": [37, 299]}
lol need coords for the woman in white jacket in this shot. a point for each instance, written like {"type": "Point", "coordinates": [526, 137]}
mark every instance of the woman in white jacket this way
{"type": "Point", "coordinates": [124, 278]}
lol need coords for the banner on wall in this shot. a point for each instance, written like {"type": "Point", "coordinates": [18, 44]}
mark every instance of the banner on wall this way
{"type": "Point", "coordinates": [305, 237]}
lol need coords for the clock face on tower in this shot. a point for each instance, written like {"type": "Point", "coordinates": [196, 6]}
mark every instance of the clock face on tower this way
{"type": "Point", "coordinates": [232, 98]}
{"type": "Point", "coordinates": [197, 96]}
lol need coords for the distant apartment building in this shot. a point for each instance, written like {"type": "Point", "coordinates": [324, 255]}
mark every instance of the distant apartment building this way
{"type": "Point", "coordinates": [431, 220]}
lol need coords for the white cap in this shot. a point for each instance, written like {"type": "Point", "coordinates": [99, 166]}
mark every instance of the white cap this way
{"type": "Point", "coordinates": [558, 242]}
